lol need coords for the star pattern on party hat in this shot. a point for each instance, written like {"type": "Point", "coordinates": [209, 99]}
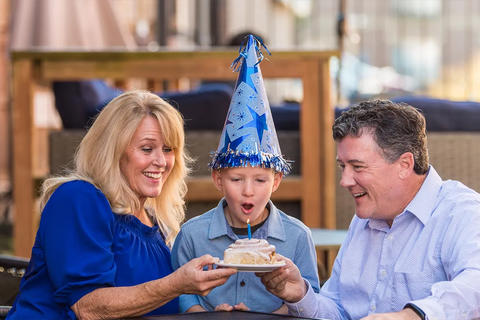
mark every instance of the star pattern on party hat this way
{"type": "Point", "coordinates": [249, 137]}
{"type": "Point", "coordinates": [258, 122]}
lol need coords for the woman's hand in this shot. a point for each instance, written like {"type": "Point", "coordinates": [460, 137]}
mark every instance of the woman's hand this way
{"type": "Point", "coordinates": [121, 302]}
{"type": "Point", "coordinates": [285, 282]}
{"type": "Point", "coordinates": [191, 278]}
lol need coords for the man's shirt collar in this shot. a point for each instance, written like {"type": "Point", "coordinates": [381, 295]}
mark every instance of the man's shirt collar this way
{"type": "Point", "coordinates": [421, 206]}
{"type": "Point", "coordinates": [423, 203]}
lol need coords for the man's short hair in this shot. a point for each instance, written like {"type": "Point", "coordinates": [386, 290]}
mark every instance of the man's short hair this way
{"type": "Point", "coordinates": [396, 127]}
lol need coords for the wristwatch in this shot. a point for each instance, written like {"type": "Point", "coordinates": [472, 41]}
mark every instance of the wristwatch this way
{"type": "Point", "coordinates": [416, 309]}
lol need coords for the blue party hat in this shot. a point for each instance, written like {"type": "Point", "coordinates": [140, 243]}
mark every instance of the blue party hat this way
{"type": "Point", "coordinates": [249, 137]}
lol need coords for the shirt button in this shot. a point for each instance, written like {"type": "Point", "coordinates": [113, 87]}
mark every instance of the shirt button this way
{"type": "Point", "coordinates": [383, 273]}
{"type": "Point", "coordinates": [372, 308]}
{"type": "Point", "coordinates": [390, 237]}
{"type": "Point", "coordinates": [242, 284]}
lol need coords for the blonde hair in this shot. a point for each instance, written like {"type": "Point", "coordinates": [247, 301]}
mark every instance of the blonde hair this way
{"type": "Point", "coordinates": [97, 159]}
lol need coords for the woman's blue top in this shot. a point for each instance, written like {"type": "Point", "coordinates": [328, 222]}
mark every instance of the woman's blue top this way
{"type": "Point", "coordinates": [81, 245]}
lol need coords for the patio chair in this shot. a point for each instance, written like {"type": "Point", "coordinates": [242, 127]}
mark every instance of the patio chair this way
{"type": "Point", "coordinates": [12, 270]}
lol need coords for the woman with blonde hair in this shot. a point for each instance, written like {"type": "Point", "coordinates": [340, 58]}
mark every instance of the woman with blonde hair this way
{"type": "Point", "coordinates": [102, 250]}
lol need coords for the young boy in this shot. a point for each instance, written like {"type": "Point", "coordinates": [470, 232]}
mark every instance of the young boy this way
{"type": "Point", "coordinates": [247, 168]}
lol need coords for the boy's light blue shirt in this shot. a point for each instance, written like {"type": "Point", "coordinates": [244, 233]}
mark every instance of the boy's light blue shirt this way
{"type": "Point", "coordinates": [210, 233]}
{"type": "Point", "coordinates": [430, 257]}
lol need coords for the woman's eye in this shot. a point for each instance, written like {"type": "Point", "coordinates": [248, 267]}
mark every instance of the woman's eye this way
{"type": "Point", "coordinates": [147, 149]}
{"type": "Point", "coordinates": [261, 180]}
{"type": "Point", "coordinates": [167, 149]}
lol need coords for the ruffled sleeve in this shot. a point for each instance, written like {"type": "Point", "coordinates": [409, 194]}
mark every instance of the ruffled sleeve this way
{"type": "Point", "coordinates": [76, 231]}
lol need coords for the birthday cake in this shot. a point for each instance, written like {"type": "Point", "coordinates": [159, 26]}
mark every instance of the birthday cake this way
{"type": "Point", "coordinates": [250, 251]}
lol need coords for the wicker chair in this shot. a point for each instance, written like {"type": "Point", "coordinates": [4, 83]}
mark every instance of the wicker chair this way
{"type": "Point", "coordinates": [12, 270]}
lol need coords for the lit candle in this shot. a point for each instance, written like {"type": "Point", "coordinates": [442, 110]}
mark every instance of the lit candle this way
{"type": "Point", "coordinates": [249, 230]}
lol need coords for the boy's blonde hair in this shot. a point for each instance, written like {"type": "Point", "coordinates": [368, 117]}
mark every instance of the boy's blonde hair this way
{"type": "Point", "coordinates": [97, 159]}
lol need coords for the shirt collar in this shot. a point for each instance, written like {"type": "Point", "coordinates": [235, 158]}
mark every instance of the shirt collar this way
{"type": "Point", "coordinates": [421, 206]}
{"type": "Point", "coordinates": [273, 227]}
{"type": "Point", "coordinates": [218, 224]}
{"type": "Point", "coordinates": [274, 224]}
{"type": "Point", "coordinates": [424, 201]}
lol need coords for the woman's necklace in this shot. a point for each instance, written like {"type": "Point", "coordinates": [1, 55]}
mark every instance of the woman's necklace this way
{"type": "Point", "coordinates": [145, 218]}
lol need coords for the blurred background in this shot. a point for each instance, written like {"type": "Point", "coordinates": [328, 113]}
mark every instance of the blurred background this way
{"type": "Point", "coordinates": [387, 49]}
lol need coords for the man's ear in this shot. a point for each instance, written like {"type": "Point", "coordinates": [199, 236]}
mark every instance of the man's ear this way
{"type": "Point", "coordinates": [277, 178]}
{"type": "Point", "coordinates": [217, 179]}
{"type": "Point", "coordinates": [406, 163]}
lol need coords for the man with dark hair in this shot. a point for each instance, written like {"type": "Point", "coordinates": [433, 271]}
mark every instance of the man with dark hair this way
{"type": "Point", "coordinates": [413, 247]}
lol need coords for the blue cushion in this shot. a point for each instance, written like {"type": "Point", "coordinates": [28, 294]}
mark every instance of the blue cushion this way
{"type": "Point", "coordinates": [204, 108]}
{"type": "Point", "coordinates": [442, 115]}
{"type": "Point", "coordinates": [286, 116]}
{"type": "Point", "coordinates": [77, 102]}
{"type": "Point", "coordinates": [446, 115]}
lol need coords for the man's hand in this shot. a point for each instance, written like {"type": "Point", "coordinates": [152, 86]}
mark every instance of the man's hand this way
{"type": "Point", "coordinates": [192, 279]}
{"type": "Point", "coordinates": [285, 282]}
{"type": "Point", "coordinates": [405, 314]}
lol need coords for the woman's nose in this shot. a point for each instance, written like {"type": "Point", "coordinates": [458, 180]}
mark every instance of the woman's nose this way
{"type": "Point", "coordinates": [160, 160]}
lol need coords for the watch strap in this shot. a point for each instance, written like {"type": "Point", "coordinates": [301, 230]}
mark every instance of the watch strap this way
{"type": "Point", "coordinates": [416, 309]}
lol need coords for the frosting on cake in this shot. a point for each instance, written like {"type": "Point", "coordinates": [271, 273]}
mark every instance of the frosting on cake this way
{"type": "Point", "coordinates": [250, 251]}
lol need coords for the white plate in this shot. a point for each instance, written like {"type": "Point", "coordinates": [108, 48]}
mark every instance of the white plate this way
{"type": "Point", "coordinates": [252, 267]}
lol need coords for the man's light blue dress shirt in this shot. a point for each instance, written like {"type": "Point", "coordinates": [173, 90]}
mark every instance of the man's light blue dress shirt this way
{"type": "Point", "coordinates": [210, 233]}
{"type": "Point", "coordinates": [430, 257]}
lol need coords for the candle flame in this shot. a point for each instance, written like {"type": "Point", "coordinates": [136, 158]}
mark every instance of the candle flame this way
{"type": "Point", "coordinates": [248, 221]}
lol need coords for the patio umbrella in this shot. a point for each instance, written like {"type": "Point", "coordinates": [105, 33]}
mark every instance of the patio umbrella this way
{"type": "Point", "coordinates": [62, 24]}
{"type": "Point", "coordinates": [66, 25]}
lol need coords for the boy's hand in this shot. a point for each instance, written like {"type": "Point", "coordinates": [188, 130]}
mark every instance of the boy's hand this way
{"type": "Point", "coordinates": [285, 282]}
{"type": "Point", "coordinates": [196, 308]}
{"type": "Point", "coordinates": [405, 314]}
{"type": "Point", "coordinates": [226, 307]}
{"type": "Point", "coordinates": [241, 306]}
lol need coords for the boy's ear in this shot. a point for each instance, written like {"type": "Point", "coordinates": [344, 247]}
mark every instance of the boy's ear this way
{"type": "Point", "coordinates": [217, 179]}
{"type": "Point", "coordinates": [277, 178]}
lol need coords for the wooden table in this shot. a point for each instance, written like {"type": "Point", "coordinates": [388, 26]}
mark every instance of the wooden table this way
{"type": "Point", "coordinates": [315, 188]}
{"type": "Point", "coordinates": [224, 315]}
{"type": "Point", "coordinates": [327, 242]}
